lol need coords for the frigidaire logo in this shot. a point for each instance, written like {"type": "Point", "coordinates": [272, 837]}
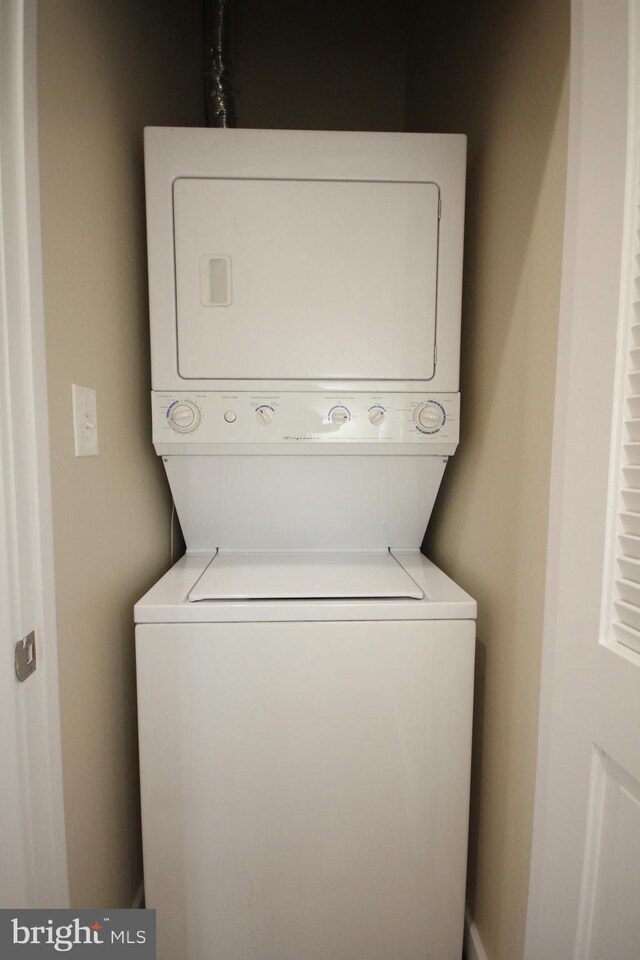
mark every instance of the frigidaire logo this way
{"type": "Point", "coordinates": [38, 933]}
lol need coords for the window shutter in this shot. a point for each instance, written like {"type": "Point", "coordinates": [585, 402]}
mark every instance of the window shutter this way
{"type": "Point", "coordinates": [626, 586]}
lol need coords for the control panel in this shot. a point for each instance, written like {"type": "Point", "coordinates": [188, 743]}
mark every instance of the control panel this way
{"type": "Point", "coordinates": [305, 418]}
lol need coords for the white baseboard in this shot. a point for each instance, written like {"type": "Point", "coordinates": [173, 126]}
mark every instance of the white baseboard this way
{"type": "Point", "coordinates": [139, 898]}
{"type": "Point", "coordinates": [473, 949]}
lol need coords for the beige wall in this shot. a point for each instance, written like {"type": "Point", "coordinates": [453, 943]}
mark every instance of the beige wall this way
{"type": "Point", "coordinates": [319, 65]}
{"type": "Point", "coordinates": [106, 68]}
{"type": "Point", "coordinates": [497, 72]}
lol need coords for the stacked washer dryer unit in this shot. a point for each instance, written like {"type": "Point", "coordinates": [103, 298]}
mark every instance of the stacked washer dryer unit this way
{"type": "Point", "coordinates": [304, 673]}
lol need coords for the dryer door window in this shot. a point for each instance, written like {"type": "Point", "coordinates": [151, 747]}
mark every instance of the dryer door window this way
{"type": "Point", "coordinates": [279, 279]}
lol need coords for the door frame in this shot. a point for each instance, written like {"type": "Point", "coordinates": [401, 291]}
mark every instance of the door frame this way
{"type": "Point", "coordinates": [25, 482]}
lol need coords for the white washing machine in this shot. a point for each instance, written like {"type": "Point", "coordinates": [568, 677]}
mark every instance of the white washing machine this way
{"type": "Point", "coordinates": [304, 673]}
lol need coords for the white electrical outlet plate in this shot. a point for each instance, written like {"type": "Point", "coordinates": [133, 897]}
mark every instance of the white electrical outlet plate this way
{"type": "Point", "coordinates": [85, 420]}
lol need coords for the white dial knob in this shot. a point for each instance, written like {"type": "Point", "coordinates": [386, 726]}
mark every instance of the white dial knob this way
{"type": "Point", "coordinates": [339, 415]}
{"type": "Point", "coordinates": [377, 415]}
{"type": "Point", "coordinates": [264, 415]}
{"type": "Point", "coordinates": [429, 416]}
{"type": "Point", "coordinates": [184, 416]}
{"type": "Point", "coordinates": [230, 416]}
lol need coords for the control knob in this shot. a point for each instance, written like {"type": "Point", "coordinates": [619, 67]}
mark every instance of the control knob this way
{"type": "Point", "coordinates": [429, 416]}
{"type": "Point", "coordinates": [377, 415]}
{"type": "Point", "coordinates": [339, 415]}
{"type": "Point", "coordinates": [184, 416]}
{"type": "Point", "coordinates": [264, 415]}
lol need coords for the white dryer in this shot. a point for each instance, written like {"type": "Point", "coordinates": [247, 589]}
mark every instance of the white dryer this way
{"type": "Point", "coordinates": [304, 673]}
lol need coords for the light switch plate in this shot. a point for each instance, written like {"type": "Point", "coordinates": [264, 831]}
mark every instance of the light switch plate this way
{"type": "Point", "coordinates": [85, 420]}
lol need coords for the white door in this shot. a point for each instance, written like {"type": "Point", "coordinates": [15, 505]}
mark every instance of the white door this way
{"type": "Point", "coordinates": [32, 843]}
{"type": "Point", "coordinates": [585, 879]}
{"type": "Point", "coordinates": [306, 279]}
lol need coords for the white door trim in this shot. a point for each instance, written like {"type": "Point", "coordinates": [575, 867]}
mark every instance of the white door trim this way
{"type": "Point", "coordinates": [24, 456]}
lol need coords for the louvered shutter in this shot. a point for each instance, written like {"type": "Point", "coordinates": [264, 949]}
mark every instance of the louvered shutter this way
{"type": "Point", "coordinates": [626, 586]}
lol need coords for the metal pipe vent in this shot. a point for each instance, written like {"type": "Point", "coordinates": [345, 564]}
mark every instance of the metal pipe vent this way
{"type": "Point", "coordinates": [218, 90]}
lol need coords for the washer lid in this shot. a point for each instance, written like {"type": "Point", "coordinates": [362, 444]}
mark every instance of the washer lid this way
{"type": "Point", "coordinates": [294, 575]}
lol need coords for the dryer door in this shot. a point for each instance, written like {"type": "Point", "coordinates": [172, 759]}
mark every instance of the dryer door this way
{"type": "Point", "coordinates": [305, 279]}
